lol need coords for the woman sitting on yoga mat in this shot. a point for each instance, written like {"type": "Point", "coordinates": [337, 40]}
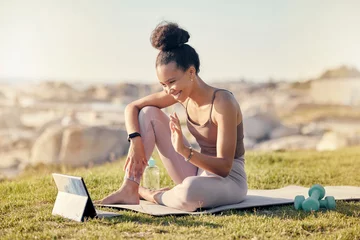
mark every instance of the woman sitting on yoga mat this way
{"type": "Point", "coordinates": [212, 177]}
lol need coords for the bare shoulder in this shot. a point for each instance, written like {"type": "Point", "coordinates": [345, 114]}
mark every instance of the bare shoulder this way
{"type": "Point", "coordinates": [225, 100]}
{"type": "Point", "coordinates": [226, 104]}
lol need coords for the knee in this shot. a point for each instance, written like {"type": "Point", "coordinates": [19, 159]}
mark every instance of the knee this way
{"type": "Point", "coordinates": [189, 207]}
{"type": "Point", "coordinates": [149, 111]}
{"type": "Point", "coordinates": [190, 196]}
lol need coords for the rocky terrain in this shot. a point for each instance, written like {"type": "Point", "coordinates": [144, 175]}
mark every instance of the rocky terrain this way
{"type": "Point", "coordinates": [81, 125]}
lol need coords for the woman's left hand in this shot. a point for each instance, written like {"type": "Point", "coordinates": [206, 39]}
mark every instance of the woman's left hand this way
{"type": "Point", "coordinates": [176, 133]}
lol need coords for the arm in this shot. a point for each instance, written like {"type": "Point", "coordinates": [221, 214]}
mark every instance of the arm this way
{"type": "Point", "coordinates": [225, 112]}
{"type": "Point", "coordinates": [136, 155]}
{"type": "Point", "coordinates": [159, 99]}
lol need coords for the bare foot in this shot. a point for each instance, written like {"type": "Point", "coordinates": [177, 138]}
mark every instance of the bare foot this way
{"type": "Point", "coordinates": [127, 194]}
{"type": "Point", "coordinates": [150, 195]}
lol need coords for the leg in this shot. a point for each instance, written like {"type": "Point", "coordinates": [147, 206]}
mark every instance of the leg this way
{"type": "Point", "coordinates": [154, 129]}
{"type": "Point", "coordinates": [207, 190]}
{"type": "Point", "coordinates": [202, 192]}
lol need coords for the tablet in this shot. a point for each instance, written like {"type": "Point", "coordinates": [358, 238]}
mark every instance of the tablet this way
{"type": "Point", "coordinates": [73, 200]}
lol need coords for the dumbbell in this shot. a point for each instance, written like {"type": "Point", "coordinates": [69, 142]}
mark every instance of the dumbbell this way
{"type": "Point", "coordinates": [328, 203]}
{"type": "Point", "coordinates": [316, 193]}
{"type": "Point", "coordinates": [298, 202]}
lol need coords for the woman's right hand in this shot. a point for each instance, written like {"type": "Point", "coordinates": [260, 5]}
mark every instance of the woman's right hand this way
{"type": "Point", "coordinates": [136, 159]}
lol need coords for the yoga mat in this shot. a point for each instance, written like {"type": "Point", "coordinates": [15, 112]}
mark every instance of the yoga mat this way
{"type": "Point", "coordinates": [255, 198]}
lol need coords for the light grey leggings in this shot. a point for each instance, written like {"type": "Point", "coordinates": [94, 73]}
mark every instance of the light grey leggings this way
{"type": "Point", "coordinates": [196, 188]}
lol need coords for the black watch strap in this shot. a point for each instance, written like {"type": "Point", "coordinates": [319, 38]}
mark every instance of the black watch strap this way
{"type": "Point", "coordinates": [132, 135]}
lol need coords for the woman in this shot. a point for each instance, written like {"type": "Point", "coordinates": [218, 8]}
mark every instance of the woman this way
{"type": "Point", "coordinates": [212, 177]}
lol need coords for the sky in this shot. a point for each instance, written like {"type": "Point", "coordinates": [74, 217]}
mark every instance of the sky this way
{"type": "Point", "coordinates": [109, 40]}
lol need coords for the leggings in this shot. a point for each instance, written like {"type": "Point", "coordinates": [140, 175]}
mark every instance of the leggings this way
{"type": "Point", "coordinates": [196, 188]}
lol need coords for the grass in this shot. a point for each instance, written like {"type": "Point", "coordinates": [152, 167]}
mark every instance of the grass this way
{"type": "Point", "coordinates": [26, 204]}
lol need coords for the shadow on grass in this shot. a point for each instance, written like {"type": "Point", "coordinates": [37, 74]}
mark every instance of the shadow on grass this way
{"type": "Point", "coordinates": [141, 218]}
{"type": "Point", "coordinates": [346, 208]}
{"type": "Point", "coordinates": [287, 212]}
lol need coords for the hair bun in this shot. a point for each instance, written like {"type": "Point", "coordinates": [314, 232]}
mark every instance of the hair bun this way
{"type": "Point", "coordinates": [168, 35]}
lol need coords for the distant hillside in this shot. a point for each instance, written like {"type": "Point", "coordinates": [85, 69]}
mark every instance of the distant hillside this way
{"type": "Point", "coordinates": [341, 72]}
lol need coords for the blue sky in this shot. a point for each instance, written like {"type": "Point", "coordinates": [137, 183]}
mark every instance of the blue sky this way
{"type": "Point", "coordinates": [108, 40]}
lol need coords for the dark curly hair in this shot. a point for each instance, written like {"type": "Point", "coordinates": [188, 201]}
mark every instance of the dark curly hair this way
{"type": "Point", "coordinates": [171, 40]}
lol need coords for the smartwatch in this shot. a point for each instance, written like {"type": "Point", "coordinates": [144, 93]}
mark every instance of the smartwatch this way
{"type": "Point", "coordinates": [132, 135]}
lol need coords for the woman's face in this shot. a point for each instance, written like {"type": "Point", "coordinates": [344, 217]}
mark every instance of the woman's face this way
{"type": "Point", "coordinates": [175, 81]}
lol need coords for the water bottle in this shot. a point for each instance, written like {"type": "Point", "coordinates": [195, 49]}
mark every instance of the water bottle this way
{"type": "Point", "coordinates": [151, 176]}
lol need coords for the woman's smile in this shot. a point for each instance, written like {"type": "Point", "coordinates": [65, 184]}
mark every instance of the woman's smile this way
{"type": "Point", "coordinates": [176, 95]}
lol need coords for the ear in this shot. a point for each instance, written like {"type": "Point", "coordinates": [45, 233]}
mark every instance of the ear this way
{"type": "Point", "coordinates": [191, 71]}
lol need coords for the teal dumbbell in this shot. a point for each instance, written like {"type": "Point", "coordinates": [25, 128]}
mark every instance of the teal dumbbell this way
{"type": "Point", "coordinates": [328, 203]}
{"type": "Point", "coordinates": [316, 193]}
{"type": "Point", "coordinates": [298, 202]}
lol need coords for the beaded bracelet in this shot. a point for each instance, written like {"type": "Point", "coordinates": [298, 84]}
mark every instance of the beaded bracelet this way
{"type": "Point", "coordinates": [190, 155]}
